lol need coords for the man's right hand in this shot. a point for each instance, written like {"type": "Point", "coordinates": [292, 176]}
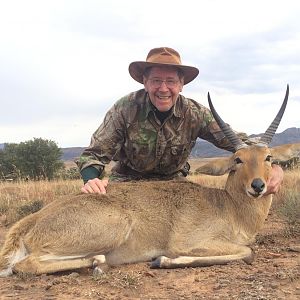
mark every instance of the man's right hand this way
{"type": "Point", "coordinates": [95, 186]}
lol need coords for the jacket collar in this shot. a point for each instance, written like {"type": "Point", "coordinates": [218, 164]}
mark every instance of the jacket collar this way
{"type": "Point", "coordinates": [176, 109]}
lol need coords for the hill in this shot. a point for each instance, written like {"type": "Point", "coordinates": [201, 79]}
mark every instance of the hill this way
{"type": "Point", "coordinates": [71, 153]}
{"type": "Point", "coordinates": [205, 149]}
{"type": "Point", "coordinates": [202, 148]}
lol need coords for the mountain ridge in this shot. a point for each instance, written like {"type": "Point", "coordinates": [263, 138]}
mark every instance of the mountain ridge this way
{"type": "Point", "coordinates": [203, 148]}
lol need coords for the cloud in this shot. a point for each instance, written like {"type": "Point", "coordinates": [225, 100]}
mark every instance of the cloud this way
{"type": "Point", "coordinates": [64, 63]}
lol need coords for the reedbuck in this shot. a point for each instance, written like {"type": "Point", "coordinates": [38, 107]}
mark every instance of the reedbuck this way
{"type": "Point", "coordinates": [173, 224]}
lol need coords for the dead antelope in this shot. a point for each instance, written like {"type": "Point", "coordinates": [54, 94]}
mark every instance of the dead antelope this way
{"type": "Point", "coordinates": [173, 224]}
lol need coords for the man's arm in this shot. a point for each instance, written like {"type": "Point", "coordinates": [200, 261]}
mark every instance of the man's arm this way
{"type": "Point", "coordinates": [105, 144]}
{"type": "Point", "coordinates": [92, 182]}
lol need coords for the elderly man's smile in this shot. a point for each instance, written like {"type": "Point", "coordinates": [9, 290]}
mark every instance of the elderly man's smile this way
{"type": "Point", "coordinates": [164, 97]}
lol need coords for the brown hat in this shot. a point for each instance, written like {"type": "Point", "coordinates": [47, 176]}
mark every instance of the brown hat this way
{"type": "Point", "coordinates": [163, 56]}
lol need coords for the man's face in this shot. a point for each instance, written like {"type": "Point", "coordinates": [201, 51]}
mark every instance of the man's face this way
{"type": "Point", "coordinates": [163, 86]}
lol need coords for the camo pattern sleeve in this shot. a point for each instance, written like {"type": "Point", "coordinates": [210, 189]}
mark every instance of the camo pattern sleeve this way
{"type": "Point", "coordinates": [106, 140]}
{"type": "Point", "coordinates": [132, 134]}
{"type": "Point", "coordinates": [210, 131]}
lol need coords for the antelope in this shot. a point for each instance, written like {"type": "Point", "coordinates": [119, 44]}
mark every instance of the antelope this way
{"type": "Point", "coordinates": [286, 155]}
{"type": "Point", "coordinates": [170, 224]}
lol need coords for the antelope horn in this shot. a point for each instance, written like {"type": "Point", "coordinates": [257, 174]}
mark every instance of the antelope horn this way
{"type": "Point", "coordinates": [268, 135]}
{"type": "Point", "coordinates": [236, 142]}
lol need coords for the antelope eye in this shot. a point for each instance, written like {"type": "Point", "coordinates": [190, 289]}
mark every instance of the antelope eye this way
{"type": "Point", "coordinates": [269, 158]}
{"type": "Point", "coordinates": [238, 160]}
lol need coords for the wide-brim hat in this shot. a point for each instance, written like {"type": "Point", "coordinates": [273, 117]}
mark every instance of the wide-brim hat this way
{"type": "Point", "coordinates": [162, 56]}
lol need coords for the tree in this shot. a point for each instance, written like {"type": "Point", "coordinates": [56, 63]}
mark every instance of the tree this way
{"type": "Point", "coordinates": [35, 159]}
{"type": "Point", "coordinates": [8, 162]}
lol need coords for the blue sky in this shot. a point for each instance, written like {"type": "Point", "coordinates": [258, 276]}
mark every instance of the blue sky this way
{"type": "Point", "coordinates": [64, 63]}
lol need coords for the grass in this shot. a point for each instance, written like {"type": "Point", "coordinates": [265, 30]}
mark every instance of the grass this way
{"type": "Point", "coordinates": [18, 199]}
{"type": "Point", "coordinates": [290, 212]}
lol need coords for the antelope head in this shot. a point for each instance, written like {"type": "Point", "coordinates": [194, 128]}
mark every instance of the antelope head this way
{"type": "Point", "coordinates": [250, 166]}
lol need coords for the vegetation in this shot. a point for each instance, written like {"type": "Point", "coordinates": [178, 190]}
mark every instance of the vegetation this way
{"type": "Point", "coordinates": [69, 173]}
{"type": "Point", "coordinates": [21, 198]}
{"type": "Point", "coordinates": [18, 199]}
{"type": "Point", "coordinates": [34, 159]}
{"type": "Point", "coordinates": [290, 211]}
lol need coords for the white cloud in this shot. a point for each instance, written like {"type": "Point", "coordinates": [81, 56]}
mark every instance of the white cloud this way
{"type": "Point", "coordinates": [64, 63]}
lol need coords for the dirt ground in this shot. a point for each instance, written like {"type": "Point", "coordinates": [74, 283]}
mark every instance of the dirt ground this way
{"type": "Point", "coordinates": [274, 274]}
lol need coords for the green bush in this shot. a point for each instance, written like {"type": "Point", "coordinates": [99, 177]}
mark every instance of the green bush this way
{"type": "Point", "coordinates": [34, 159]}
{"type": "Point", "coordinates": [66, 174]}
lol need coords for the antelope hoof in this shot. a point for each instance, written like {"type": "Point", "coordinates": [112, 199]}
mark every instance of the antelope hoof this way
{"type": "Point", "coordinates": [99, 260]}
{"type": "Point", "coordinates": [99, 265]}
{"type": "Point", "coordinates": [158, 262]}
{"type": "Point", "coordinates": [249, 259]}
{"type": "Point", "coordinates": [97, 271]}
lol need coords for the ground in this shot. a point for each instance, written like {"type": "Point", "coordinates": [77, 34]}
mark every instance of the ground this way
{"type": "Point", "coordinates": [274, 274]}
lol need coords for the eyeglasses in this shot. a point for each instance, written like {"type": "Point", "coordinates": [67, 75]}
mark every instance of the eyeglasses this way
{"type": "Point", "coordinates": [170, 83]}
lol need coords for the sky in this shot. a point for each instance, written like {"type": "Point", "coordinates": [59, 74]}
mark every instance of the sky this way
{"type": "Point", "coordinates": [63, 63]}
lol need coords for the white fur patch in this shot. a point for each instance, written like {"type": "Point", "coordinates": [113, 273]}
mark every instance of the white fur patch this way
{"type": "Point", "coordinates": [6, 272]}
{"type": "Point", "coordinates": [100, 259]}
{"type": "Point", "coordinates": [17, 255]}
{"type": "Point", "coordinates": [60, 257]}
{"type": "Point", "coordinates": [14, 258]}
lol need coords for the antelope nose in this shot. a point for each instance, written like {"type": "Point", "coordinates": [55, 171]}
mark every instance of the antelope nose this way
{"type": "Point", "coordinates": [258, 185]}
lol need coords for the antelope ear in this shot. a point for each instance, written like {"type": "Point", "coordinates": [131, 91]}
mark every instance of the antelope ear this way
{"type": "Point", "coordinates": [216, 167]}
{"type": "Point", "coordinates": [285, 152]}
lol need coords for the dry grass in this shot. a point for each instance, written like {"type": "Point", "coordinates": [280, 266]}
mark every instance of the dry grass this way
{"type": "Point", "coordinates": [18, 199]}
{"type": "Point", "coordinates": [287, 202]}
{"type": "Point", "coordinates": [291, 183]}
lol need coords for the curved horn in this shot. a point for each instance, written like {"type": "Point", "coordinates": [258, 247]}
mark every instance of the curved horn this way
{"type": "Point", "coordinates": [236, 142]}
{"type": "Point", "coordinates": [268, 135]}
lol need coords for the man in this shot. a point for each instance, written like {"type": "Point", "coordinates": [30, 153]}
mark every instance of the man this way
{"type": "Point", "coordinates": [151, 132]}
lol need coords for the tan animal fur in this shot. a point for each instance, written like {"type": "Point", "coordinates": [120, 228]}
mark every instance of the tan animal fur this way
{"type": "Point", "coordinates": [186, 224]}
{"type": "Point", "coordinates": [179, 224]}
{"type": "Point", "coordinates": [280, 155]}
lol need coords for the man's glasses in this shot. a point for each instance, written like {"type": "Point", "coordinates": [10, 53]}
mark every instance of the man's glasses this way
{"type": "Point", "coordinates": [170, 83]}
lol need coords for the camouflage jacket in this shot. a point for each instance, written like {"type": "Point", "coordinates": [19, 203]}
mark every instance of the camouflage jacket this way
{"type": "Point", "coordinates": [132, 135]}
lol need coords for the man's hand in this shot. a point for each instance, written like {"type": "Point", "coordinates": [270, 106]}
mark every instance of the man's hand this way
{"type": "Point", "coordinates": [95, 186]}
{"type": "Point", "coordinates": [275, 180]}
